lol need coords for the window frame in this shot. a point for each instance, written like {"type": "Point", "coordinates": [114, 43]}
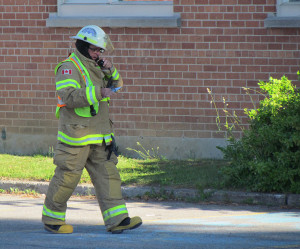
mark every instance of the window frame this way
{"type": "Point", "coordinates": [114, 13]}
{"type": "Point", "coordinates": [287, 8]}
{"type": "Point", "coordinates": [287, 15]}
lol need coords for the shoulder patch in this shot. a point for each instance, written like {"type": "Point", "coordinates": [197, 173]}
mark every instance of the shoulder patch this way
{"type": "Point", "coordinates": [66, 71]}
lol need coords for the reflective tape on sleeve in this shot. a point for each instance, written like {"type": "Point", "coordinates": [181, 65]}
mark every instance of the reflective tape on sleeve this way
{"type": "Point", "coordinates": [106, 99]}
{"type": "Point", "coordinates": [108, 139]}
{"type": "Point", "coordinates": [67, 83]}
{"type": "Point", "coordinates": [60, 103]}
{"type": "Point", "coordinates": [115, 75]}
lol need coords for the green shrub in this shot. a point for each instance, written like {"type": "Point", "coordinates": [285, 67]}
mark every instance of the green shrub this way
{"type": "Point", "coordinates": [267, 157]}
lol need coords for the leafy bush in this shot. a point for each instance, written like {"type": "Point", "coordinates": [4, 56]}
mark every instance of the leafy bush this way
{"type": "Point", "coordinates": [267, 157]}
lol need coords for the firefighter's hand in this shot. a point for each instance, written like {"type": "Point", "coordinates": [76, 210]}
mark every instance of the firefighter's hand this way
{"type": "Point", "coordinates": [106, 92]}
{"type": "Point", "coordinates": [107, 63]}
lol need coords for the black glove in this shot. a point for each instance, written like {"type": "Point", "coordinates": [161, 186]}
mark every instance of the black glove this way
{"type": "Point", "coordinates": [100, 63]}
{"type": "Point", "coordinates": [112, 148]}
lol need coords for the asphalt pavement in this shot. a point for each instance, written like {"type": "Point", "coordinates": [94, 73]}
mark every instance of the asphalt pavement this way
{"type": "Point", "coordinates": [166, 225]}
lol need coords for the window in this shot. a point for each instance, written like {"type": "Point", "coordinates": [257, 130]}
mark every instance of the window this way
{"type": "Point", "coordinates": [287, 8]}
{"type": "Point", "coordinates": [287, 15]}
{"type": "Point", "coordinates": [114, 13]}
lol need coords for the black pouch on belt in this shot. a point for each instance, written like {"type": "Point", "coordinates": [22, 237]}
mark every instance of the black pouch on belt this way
{"type": "Point", "coordinates": [112, 148]}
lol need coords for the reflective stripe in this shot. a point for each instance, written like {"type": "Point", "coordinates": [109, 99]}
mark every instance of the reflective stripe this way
{"type": "Point", "coordinates": [115, 211]}
{"type": "Point", "coordinates": [67, 83]}
{"type": "Point", "coordinates": [57, 111]}
{"type": "Point", "coordinates": [89, 139]}
{"type": "Point", "coordinates": [54, 215]}
{"type": "Point", "coordinates": [108, 138]}
{"type": "Point", "coordinates": [87, 38]}
{"type": "Point", "coordinates": [60, 102]}
{"type": "Point", "coordinates": [82, 70]}
{"type": "Point", "coordinates": [64, 84]}
{"type": "Point", "coordinates": [115, 75]}
{"type": "Point", "coordinates": [91, 95]}
{"type": "Point", "coordinates": [77, 64]}
{"type": "Point", "coordinates": [90, 89]}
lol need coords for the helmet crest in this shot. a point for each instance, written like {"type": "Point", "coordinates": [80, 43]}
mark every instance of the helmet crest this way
{"type": "Point", "coordinates": [89, 31]}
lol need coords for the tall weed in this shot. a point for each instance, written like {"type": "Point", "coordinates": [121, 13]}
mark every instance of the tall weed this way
{"type": "Point", "coordinates": [267, 157]}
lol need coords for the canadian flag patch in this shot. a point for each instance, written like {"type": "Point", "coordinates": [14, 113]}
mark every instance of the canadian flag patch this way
{"type": "Point", "coordinates": [67, 71]}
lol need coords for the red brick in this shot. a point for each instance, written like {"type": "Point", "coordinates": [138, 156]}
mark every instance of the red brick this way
{"type": "Point", "coordinates": [221, 45]}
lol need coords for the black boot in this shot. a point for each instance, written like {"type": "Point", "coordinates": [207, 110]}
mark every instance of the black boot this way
{"type": "Point", "coordinates": [126, 224]}
{"type": "Point", "coordinates": [58, 228]}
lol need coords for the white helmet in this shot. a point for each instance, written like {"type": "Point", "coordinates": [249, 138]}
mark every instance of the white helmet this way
{"type": "Point", "coordinates": [96, 36]}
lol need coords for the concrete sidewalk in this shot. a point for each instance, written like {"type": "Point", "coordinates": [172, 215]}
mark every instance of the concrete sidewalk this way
{"type": "Point", "coordinates": [208, 195]}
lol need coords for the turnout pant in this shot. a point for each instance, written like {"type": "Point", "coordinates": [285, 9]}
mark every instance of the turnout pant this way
{"type": "Point", "coordinates": [70, 162]}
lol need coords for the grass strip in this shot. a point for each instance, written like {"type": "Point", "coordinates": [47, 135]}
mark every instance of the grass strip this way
{"type": "Point", "coordinates": [198, 174]}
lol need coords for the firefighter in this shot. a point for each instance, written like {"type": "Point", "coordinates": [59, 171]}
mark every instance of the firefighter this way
{"type": "Point", "coordinates": [84, 83]}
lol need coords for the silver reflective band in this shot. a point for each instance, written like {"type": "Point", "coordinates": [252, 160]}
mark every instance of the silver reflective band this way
{"type": "Point", "coordinates": [54, 215]}
{"type": "Point", "coordinates": [91, 90]}
{"type": "Point", "coordinates": [109, 214]}
{"type": "Point", "coordinates": [68, 83]}
{"type": "Point", "coordinates": [82, 140]}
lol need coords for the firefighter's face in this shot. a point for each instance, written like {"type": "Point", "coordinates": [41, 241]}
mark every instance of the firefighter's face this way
{"type": "Point", "coordinates": [95, 52]}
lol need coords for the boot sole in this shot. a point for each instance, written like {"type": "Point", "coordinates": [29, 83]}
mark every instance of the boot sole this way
{"type": "Point", "coordinates": [121, 230]}
{"type": "Point", "coordinates": [48, 229]}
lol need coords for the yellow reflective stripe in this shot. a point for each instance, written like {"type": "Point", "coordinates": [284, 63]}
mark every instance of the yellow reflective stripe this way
{"type": "Point", "coordinates": [54, 215]}
{"type": "Point", "coordinates": [89, 139]}
{"type": "Point", "coordinates": [115, 75]}
{"type": "Point", "coordinates": [59, 64]}
{"type": "Point", "coordinates": [94, 95]}
{"type": "Point", "coordinates": [88, 81]}
{"type": "Point", "coordinates": [57, 112]}
{"type": "Point", "coordinates": [105, 99]}
{"type": "Point", "coordinates": [67, 83]}
{"type": "Point", "coordinates": [115, 211]}
{"type": "Point", "coordinates": [87, 38]}
{"type": "Point", "coordinates": [108, 138]}
{"type": "Point", "coordinates": [91, 95]}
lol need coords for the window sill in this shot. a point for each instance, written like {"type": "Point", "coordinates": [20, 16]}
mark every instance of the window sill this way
{"type": "Point", "coordinates": [113, 22]}
{"type": "Point", "coordinates": [115, 14]}
{"type": "Point", "coordinates": [282, 22]}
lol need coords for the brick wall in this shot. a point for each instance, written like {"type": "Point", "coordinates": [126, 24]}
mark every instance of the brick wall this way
{"type": "Point", "coordinates": [222, 45]}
